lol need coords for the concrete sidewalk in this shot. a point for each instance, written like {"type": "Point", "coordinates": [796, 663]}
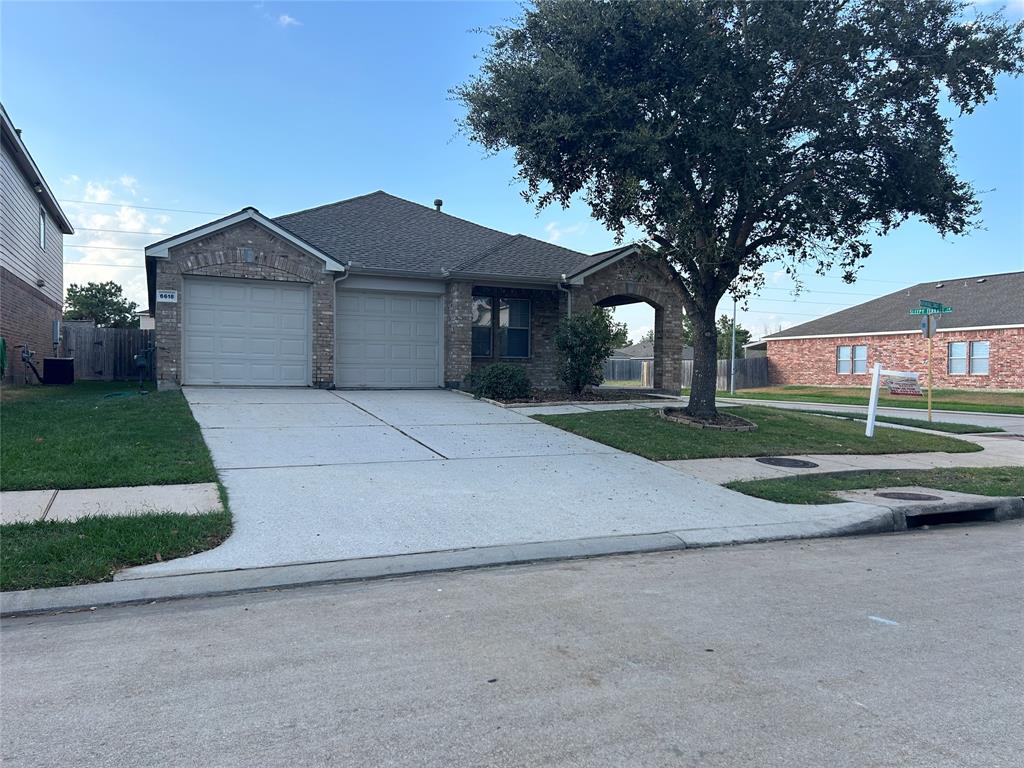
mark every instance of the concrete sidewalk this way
{"type": "Point", "coordinates": [28, 506]}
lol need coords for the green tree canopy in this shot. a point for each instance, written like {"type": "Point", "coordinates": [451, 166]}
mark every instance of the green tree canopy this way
{"type": "Point", "coordinates": [103, 302]}
{"type": "Point", "coordinates": [734, 134]}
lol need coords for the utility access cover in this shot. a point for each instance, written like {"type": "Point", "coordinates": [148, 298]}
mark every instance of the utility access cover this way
{"type": "Point", "coordinates": [782, 461]}
{"type": "Point", "coordinates": [907, 496]}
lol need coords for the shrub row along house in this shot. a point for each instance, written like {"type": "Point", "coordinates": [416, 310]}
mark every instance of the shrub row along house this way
{"type": "Point", "coordinates": [32, 229]}
{"type": "Point", "coordinates": [377, 291]}
{"type": "Point", "coordinates": [979, 345]}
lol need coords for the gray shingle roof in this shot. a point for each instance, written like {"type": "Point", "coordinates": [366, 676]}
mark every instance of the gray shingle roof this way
{"type": "Point", "coordinates": [983, 300]}
{"type": "Point", "coordinates": [379, 231]}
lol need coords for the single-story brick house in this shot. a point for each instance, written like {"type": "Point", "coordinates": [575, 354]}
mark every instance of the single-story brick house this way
{"type": "Point", "coordinates": [377, 291]}
{"type": "Point", "coordinates": [980, 345]}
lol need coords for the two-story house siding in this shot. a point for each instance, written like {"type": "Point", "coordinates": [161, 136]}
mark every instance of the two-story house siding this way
{"type": "Point", "coordinates": [32, 229]}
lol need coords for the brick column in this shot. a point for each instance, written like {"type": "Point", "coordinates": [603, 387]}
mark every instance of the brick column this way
{"type": "Point", "coordinates": [323, 330]}
{"type": "Point", "coordinates": [458, 333]}
{"type": "Point", "coordinates": [168, 327]}
{"type": "Point", "coordinates": [668, 349]}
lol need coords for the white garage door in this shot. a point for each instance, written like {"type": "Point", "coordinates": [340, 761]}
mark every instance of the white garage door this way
{"type": "Point", "coordinates": [387, 340]}
{"type": "Point", "coordinates": [246, 332]}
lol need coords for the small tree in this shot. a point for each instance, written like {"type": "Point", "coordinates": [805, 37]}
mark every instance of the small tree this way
{"type": "Point", "coordinates": [725, 337]}
{"type": "Point", "coordinates": [102, 302]}
{"type": "Point", "coordinates": [584, 342]}
{"type": "Point", "coordinates": [620, 331]}
{"type": "Point", "coordinates": [647, 338]}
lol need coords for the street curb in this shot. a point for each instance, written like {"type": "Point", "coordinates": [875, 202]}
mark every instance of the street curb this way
{"type": "Point", "coordinates": [845, 406]}
{"type": "Point", "coordinates": [880, 519]}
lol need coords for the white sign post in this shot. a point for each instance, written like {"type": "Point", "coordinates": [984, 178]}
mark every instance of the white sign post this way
{"type": "Point", "coordinates": [898, 382]}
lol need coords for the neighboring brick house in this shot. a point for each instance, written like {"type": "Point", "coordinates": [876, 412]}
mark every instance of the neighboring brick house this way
{"type": "Point", "coordinates": [980, 345]}
{"type": "Point", "coordinates": [377, 291]}
{"type": "Point", "coordinates": [32, 229]}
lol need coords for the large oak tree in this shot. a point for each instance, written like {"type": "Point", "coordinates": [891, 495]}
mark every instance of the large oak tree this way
{"type": "Point", "coordinates": [734, 134]}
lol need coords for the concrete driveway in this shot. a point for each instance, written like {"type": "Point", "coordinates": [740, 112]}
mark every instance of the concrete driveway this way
{"type": "Point", "coordinates": [318, 476]}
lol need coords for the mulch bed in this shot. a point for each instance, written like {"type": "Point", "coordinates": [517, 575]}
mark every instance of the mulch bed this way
{"type": "Point", "coordinates": [725, 422]}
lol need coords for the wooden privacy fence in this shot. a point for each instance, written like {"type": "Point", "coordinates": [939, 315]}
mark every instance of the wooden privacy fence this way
{"type": "Point", "coordinates": [106, 354]}
{"type": "Point", "coordinates": [750, 372]}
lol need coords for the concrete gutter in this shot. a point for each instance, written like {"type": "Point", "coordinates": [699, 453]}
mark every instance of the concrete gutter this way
{"type": "Point", "coordinates": [859, 519]}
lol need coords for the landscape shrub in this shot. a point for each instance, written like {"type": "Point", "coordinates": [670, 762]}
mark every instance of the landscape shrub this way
{"type": "Point", "coordinates": [584, 342]}
{"type": "Point", "coordinates": [499, 381]}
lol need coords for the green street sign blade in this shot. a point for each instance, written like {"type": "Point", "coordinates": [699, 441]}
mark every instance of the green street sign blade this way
{"type": "Point", "coordinates": [919, 312]}
{"type": "Point", "coordinates": [931, 311]}
{"type": "Point", "coordinates": [946, 310]}
{"type": "Point", "coordinates": [930, 304]}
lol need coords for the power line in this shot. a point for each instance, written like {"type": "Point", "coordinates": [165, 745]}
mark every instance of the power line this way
{"type": "Point", "coordinates": [97, 264]}
{"type": "Point", "coordinates": [118, 231]}
{"type": "Point", "coordinates": [141, 207]}
{"type": "Point", "coordinates": [103, 247]}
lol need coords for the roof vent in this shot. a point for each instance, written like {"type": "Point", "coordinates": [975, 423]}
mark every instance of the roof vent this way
{"type": "Point", "coordinates": [940, 285]}
{"type": "Point", "coordinates": [438, 203]}
{"type": "Point", "coordinates": [981, 280]}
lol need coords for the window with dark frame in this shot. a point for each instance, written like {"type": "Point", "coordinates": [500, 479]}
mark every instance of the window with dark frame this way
{"type": "Point", "coordinates": [514, 328]}
{"type": "Point", "coordinates": [42, 227]}
{"type": "Point", "coordinates": [483, 321]}
{"type": "Point", "coordinates": [851, 359]}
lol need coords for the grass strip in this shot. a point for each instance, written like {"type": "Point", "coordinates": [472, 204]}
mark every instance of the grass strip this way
{"type": "Point", "coordinates": [820, 488]}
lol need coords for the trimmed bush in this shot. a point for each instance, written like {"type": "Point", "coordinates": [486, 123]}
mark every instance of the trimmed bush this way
{"type": "Point", "coordinates": [499, 381]}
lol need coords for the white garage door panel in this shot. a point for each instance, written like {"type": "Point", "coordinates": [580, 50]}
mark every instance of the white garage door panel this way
{"type": "Point", "coordinates": [246, 332]}
{"type": "Point", "coordinates": [387, 340]}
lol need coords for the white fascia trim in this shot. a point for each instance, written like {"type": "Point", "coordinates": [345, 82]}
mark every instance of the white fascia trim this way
{"type": "Point", "coordinates": [980, 328]}
{"type": "Point", "coordinates": [897, 333]}
{"type": "Point", "coordinates": [846, 335]}
{"type": "Point", "coordinates": [579, 277]}
{"type": "Point", "coordinates": [160, 250]}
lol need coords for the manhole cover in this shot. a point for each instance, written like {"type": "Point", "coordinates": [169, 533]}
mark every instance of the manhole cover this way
{"type": "Point", "coordinates": [782, 461]}
{"type": "Point", "coordinates": [908, 496]}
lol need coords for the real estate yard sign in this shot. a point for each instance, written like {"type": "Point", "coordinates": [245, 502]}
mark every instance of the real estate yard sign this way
{"type": "Point", "coordinates": [898, 382]}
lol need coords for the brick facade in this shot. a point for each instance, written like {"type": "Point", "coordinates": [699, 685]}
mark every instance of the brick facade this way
{"type": "Point", "coordinates": [813, 361]}
{"type": "Point", "coordinates": [26, 317]}
{"type": "Point", "coordinates": [220, 255]}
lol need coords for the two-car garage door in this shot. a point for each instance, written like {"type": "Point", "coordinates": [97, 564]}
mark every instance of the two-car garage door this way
{"type": "Point", "coordinates": [246, 332]}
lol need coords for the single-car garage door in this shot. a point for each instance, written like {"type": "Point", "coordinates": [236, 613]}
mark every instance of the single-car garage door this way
{"type": "Point", "coordinates": [387, 339]}
{"type": "Point", "coordinates": [246, 332]}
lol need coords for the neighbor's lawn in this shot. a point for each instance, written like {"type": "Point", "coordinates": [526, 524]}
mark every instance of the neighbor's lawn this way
{"type": "Point", "coordinates": [49, 553]}
{"type": "Point", "coordinates": [943, 399]}
{"type": "Point", "coordinates": [817, 489]}
{"type": "Point", "coordinates": [779, 433]}
{"type": "Point", "coordinates": [98, 434]}
{"type": "Point", "coordinates": [935, 426]}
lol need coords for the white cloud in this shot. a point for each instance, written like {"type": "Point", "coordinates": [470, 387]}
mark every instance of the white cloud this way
{"type": "Point", "coordinates": [96, 193]}
{"type": "Point", "coordinates": [129, 182]}
{"type": "Point", "coordinates": [285, 20]}
{"type": "Point", "coordinates": [556, 231]}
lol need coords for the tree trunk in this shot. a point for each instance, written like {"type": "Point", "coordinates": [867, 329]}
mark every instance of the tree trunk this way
{"type": "Point", "coordinates": [705, 368]}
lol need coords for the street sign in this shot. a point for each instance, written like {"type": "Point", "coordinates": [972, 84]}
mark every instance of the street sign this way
{"type": "Point", "coordinates": [931, 304]}
{"type": "Point", "coordinates": [921, 311]}
{"type": "Point", "coordinates": [930, 311]}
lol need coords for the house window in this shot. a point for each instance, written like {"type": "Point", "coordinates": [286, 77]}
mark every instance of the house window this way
{"type": "Point", "coordinates": [514, 328]}
{"type": "Point", "coordinates": [967, 357]}
{"type": "Point", "coordinates": [979, 358]}
{"type": "Point", "coordinates": [42, 227]}
{"type": "Point", "coordinates": [482, 324]}
{"type": "Point", "coordinates": [852, 359]}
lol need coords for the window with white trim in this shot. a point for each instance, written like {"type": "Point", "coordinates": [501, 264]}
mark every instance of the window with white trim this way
{"type": "Point", "coordinates": [514, 328]}
{"type": "Point", "coordinates": [965, 358]}
{"type": "Point", "coordinates": [852, 359]}
{"type": "Point", "coordinates": [42, 227]}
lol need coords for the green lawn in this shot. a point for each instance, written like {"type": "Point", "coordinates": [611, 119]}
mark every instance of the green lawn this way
{"type": "Point", "coordinates": [50, 553]}
{"type": "Point", "coordinates": [936, 426]}
{"type": "Point", "coordinates": [818, 489]}
{"type": "Point", "coordinates": [98, 434]}
{"type": "Point", "coordinates": [942, 399]}
{"type": "Point", "coordinates": [779, 433]}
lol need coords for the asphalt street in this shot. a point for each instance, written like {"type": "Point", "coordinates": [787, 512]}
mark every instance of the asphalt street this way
{"type": "Point", "coordinates": [895, 650]}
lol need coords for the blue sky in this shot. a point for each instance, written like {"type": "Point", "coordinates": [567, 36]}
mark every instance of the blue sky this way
{"type": "Point", "coordinates": [210, 107]}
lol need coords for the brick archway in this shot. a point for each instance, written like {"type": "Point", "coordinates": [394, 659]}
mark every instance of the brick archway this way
{"type": "Point", "coordinates": [637, 279]}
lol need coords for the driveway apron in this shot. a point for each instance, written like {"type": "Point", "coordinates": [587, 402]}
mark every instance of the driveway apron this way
{"type": "Point", "coordinates": [316, 476]}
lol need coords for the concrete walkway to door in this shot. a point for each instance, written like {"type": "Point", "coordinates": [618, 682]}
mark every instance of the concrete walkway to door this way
{"type": "Point", "coordinates": [317, 476]}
